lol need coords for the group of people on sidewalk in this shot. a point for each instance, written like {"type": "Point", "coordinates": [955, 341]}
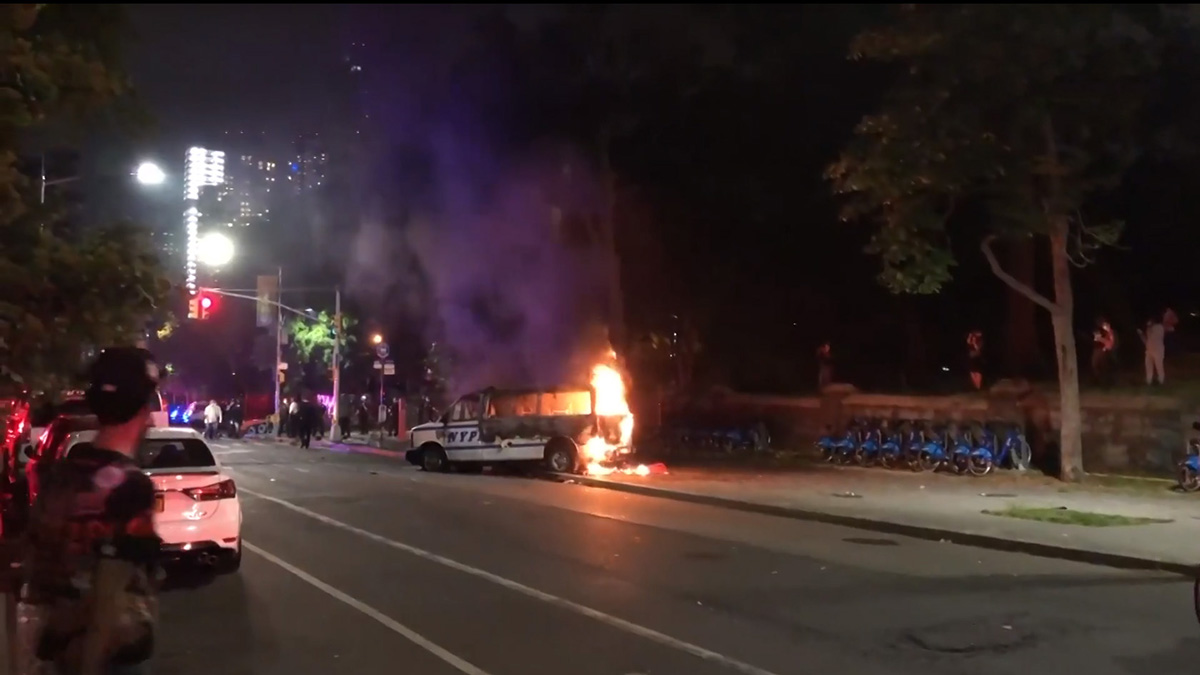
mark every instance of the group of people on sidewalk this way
{"type": "Point", "coordinates": [1154, 346]}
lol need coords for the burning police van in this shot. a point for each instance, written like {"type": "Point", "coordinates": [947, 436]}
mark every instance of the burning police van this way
{"type": "Point", "coordinates": [567, 430]}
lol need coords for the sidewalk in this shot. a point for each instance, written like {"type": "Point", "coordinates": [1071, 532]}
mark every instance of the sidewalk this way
{"type": "Point", "coordinates": [951, 508]}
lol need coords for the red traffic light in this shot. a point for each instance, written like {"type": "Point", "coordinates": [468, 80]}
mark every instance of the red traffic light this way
{"type": "Point", "coordinates": [206, 302]}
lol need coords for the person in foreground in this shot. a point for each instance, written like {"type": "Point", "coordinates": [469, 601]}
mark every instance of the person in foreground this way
{"type": "Point", "coordinates": [91, 549]}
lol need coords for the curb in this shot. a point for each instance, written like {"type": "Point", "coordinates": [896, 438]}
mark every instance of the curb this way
{"type": "Point", "coordinates": [1115, 560]}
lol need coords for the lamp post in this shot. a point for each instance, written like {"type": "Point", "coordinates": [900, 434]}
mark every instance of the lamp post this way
{"type": "Point", "coordinates": [147, 173]}
{"type": "Point", "coordinates": [381, 352]}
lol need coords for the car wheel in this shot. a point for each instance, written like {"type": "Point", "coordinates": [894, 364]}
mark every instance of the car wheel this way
{"type": "Point", "coordinates": [560, 457]}
{"type": "Point", "coordinates": [433, 459]}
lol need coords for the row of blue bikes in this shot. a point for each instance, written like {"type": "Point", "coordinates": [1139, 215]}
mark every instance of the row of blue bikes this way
{"type": "Point", "coordinates": [975, 449]}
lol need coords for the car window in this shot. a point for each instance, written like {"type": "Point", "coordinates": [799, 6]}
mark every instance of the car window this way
{"type": "Point", "coordinates": [466, 410]}
{"type": "Point", "coordinates": [513, 405]}
{"type": "Point", "coordinates": [44, 413]}
{"type": "Point", "coordinates": [169, 453]}
{"type": "Point", "coordinates": [566, 403]}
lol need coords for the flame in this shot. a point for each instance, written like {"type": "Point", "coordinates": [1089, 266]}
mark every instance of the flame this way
{"type": "Point", "coordinates": [611, 401]}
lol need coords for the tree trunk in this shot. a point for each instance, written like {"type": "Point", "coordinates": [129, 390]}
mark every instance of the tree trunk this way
{"type": "Point", "coordinates": [1022, 355]}
{"type": "Point", "coordinates": [1070, 416]}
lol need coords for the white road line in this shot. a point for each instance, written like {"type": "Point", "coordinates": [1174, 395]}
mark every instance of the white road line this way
{"type": "Point", "coordinates": [388, 622]}
{"type": "Point", "coordinates": [300, 469]}
{"type": "Point", "coordinates": [231, 452]}
{"type": "Point", "coordinates": [608, 619]}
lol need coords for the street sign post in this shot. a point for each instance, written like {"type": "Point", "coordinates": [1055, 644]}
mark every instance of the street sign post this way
{"type": "Point", "coordinates": [381, 350]}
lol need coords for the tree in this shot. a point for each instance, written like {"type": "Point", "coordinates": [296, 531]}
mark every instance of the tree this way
{"type": "Point", "coordinates": [313, 338]}
{"type": "Point", "coordinates": [67, 295]}
{"type": "Point", "coordinates": [66, 292]}
{"type": "Point", "coordinates": [1023, 113]}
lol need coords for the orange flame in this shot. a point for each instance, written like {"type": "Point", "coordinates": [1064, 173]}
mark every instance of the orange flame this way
{"type": "Point", "coordinates": [611, 401]}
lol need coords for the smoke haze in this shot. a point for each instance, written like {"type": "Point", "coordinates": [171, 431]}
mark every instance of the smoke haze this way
{"type": "Point", "coordinates": [468, 240]}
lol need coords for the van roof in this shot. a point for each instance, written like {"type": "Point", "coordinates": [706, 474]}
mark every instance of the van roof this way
{"type": "Point", "coordinates": [557, 389]}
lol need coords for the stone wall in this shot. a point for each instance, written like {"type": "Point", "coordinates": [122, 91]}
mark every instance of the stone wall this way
{"type": "Point", "coordinates": [1121, 433]}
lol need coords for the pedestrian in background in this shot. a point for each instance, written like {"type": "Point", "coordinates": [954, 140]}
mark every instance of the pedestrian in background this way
{"type": "Point", "coordinates": [1154, 339]}
{"type": "Point", "coordinates": [294, 417]}
{"type": "Point", "coordinates": [212, 419]}
{"type": "Point", "coordinates": [975, 358]}
{"type": "Point", "coordinates": [824, 366]}
{"type": "Point", "coordinates": [1104, 349]}
{"type": "Point", "coordinates": [307, 419]}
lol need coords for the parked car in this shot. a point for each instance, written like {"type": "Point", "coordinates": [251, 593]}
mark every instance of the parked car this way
{"type": "Point", "coordinates": [197, 512]}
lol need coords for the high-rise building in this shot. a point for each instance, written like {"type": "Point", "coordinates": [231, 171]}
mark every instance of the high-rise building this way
{"type": "Point", "coordinates": [202, 168]}
{"type": "Point", "coordinates": [252, 177]}
{"type": "Point", "coordinates": [308, 170]}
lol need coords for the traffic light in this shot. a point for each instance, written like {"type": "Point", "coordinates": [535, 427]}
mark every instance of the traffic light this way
{"type": "Point", "coordinates": [194, 307]}
{"type": "Point", "coordinates": [206, 305]}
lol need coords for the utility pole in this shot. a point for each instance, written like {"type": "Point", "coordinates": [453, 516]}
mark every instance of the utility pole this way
{"type": "Point", "coordinates": [279, 352]}
{"type": "Point", "coordinates": [335, 432]}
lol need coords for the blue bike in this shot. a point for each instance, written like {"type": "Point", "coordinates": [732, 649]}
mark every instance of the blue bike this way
{"type": "Point", "coordinates": [992, 450]}
{"type": "Point", "coordinates": [867, 452]}
{"type": "Point", "coordinates": [1189, 478]}
{"type": "Point", "coordinates": [891, 446]}
{"type": "Point", "coordinates": [934, 451]}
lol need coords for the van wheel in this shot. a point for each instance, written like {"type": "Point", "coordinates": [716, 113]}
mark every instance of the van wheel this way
{"type": "Point", "coordinates": [433, 459]}
{"type": "Point", "coordinates": [560, 457]}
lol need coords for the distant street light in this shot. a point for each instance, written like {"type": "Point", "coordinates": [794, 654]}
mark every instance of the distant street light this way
{"type": "Point", "coordinates": [215, 250]}
{"type": "Point", "coordinates": [149, 173]}
{"type": "Point", "coordinates": [376, 339]}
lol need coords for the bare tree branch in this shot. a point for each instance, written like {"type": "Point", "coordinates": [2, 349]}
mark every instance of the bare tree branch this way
{"type": "Point", "coordinates": [1011, 281]}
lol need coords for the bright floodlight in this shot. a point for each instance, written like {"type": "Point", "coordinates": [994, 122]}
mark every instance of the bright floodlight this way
{"type": "Point", "coordinates": [376, 339]}
{"type": "Point", "coordinates": [148, 173]}
{"type": "Point", "coordinates": [215, 249]}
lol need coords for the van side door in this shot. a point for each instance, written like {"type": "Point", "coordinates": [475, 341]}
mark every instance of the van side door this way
{"type": "Point", "coordinates": [460, 431]}
{"type": "Point", "coordinates": [513, 425]}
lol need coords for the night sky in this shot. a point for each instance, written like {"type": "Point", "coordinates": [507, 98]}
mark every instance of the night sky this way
{"type": "Point", "coordinates": [798, 275]}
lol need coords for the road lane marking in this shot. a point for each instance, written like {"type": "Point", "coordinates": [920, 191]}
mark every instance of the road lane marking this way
{"type": "Point", "coordinates": [388, 622]}
{"type": "Point", "coordinates": [550, 599]}
{"type": "Point", "coordinates": [231, 452]}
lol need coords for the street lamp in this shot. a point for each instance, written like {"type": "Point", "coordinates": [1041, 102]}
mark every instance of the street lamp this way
{"type": "Point", "coordinates": [149, 173]}
{"type": "Point", "coordinates": [376, 339]}
{"type": "Point", "coordinates": [215, 249]}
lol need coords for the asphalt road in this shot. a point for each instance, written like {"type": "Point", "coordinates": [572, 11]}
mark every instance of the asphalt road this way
{"type": "Point", "coordinates": [358, 564]}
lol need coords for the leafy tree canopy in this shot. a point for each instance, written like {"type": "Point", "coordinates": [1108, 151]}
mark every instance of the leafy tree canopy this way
{"type": "Point", "coordinates": [66, 292]}
{"type": "Point", "coordinates": [313, 338]}
{"type": "Point", "coordinates": [1028, 110]}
